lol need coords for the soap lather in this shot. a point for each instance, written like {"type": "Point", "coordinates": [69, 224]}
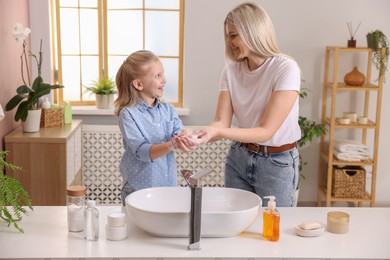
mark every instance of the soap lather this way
{"type": "Point", "coordinates": [193, 181]}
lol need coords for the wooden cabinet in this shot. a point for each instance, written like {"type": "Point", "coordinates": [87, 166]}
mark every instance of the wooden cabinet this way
{"type": "Point", "coordinates": [50, 161]}
{"type": "Point", "coordinates": [366, 102]}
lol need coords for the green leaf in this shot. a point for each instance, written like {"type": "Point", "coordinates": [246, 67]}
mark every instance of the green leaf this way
{"type": "Point", "coordinates": [21, 112]}
{"type": "Point", "coordinates": [37, 81]}
{"type": "Point", "coordinates": [13, 102]}
{"type": "Point", "coordinates": [12, 195]}
{"type": "Point", "coordinates": [23, 90]}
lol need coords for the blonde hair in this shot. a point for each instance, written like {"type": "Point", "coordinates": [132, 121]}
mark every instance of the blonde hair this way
{"type": "Point", "coordinates": [132, 68]}
{"type": "Point", "coordinates": [255, 29]}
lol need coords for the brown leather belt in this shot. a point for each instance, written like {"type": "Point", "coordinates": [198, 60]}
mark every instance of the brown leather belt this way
{"type": "Point", "coordinates": [257, 148]}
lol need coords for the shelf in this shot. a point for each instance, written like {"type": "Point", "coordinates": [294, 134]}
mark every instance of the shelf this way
{"type": "Point", "coordinates": [370, 124]}
{"type": "Point", "coordinates": [366, 198]}
{"type": "Point", "coordinates": [370, 105]}
{"type": "Point", "coordinates": [346, 49]}
{"type": "Point", "coordinates": [335, 161]}
{"type": "Point", "coordinates": [341, 86]}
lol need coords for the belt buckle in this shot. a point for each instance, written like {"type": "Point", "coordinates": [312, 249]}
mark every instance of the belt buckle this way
{"type": "Point", "coordinates": [257, 148]}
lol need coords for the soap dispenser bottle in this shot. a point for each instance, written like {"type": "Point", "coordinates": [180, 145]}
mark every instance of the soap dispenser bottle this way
{"type": "Point", "coordinates": [271, 220]}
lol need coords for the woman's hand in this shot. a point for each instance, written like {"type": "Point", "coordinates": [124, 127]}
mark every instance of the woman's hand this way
{"type": "Point", "coordinates": [207, 134]}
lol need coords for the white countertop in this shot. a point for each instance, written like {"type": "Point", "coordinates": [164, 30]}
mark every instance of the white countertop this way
{"type": "Point", "coordinates": [46, 236]}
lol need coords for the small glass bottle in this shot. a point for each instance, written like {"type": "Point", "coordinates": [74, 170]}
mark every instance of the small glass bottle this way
{"type": "Point", "coordinates": [91, 227]}
{"type": "Point", "coordinates": [75, 207]}
{"type": "Point", "coordinates": [271, 221]}
{"type": "Point", "coordinates": [67, 113]}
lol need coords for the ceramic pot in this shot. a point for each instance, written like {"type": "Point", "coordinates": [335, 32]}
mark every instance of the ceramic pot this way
{"type": "Point", "coordinates": [105, 101]}
{"type": "Point", "coordinates": [370, 41]}
{"type": "Point", "coordinates": [354, 78]}
{"type": "Point", "coordinates": [33, 121]}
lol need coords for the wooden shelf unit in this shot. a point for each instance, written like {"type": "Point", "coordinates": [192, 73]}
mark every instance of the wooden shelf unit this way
{"type": "Point", "coordinates": [331, 88]}
{"type": "Point", "coordinates": [50, 161]}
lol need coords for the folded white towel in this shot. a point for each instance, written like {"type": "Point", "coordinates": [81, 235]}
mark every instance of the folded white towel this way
{"type": "Point", "coordinates": [351, 156]}
{"type": "Point", "coordinates": [347, 145]}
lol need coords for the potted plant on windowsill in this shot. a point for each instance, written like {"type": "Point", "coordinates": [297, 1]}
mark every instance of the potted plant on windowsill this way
{"type": "Point", "coordinates": [104, 90]}
{"type": "Point", "coordinates": [14, 199]}
{"type": "Point", "coordinates": [378, 40]}
{"type": "Point", "coordinates": [27, 95]}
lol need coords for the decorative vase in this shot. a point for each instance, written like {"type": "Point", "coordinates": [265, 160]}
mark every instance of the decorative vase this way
{"type": "Point", "coordinates": [105, 101]}
{"type": "Point", "coordinates": [33, 121]}
{"type": "Point", "coordinates": [354, 78]}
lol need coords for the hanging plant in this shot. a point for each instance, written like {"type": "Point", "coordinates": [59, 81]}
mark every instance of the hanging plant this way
{"type": "Point", "coordinates": [376, 40]}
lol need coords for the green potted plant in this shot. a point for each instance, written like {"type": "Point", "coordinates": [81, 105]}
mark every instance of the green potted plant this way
{"type": "Point", "coordinates": [13, 195]}
{"type": "Point", "coordinates": [104, 90]}
{"type": "Point", "coordinates": [27, 95]}
{"type": "Point", "coordinates": [310, 130]}
{"type": "Point", "coordinates": [378, 40]}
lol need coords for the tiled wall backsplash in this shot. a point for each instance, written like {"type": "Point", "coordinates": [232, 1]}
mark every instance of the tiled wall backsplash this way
{"type": "Point", "coordinates": [102, 151]}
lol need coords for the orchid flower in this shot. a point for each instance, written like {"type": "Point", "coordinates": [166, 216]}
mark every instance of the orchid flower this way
{"type": "Point", "coordinates": [20, 33]}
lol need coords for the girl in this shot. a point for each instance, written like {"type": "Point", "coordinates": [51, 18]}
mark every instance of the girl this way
{"type": "Point", "coordinates": [147, 125]}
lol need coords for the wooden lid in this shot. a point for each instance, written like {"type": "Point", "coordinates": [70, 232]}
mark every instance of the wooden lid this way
{"type": "Point", "coordinates": [338, 216]}
{"type": "Point", "coordinates": [76, 190]}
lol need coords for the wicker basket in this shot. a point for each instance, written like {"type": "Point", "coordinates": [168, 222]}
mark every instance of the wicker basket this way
{"type": "Point", "coordinates": [349, 182]}
{"type": "Point", "coordinates": [52, 117]}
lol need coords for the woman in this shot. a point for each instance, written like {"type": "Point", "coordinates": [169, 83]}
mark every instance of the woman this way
{"type": "Point", "coordinates": [260, 88]}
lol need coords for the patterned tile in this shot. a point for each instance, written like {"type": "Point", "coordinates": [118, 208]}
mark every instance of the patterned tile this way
{"type": "Point", "coordinates": [102, 152]}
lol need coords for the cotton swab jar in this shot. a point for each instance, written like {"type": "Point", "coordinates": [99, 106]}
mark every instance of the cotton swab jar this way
{"type": "Point", "coordinates": [116, 227]}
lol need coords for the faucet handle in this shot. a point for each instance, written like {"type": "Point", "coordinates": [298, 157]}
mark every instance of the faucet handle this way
{"type": "Point", "coordinates": [201, 173]}
{"type": "Point", "coordinates": [187, 177]}
{"type": "Point", "coordinates": [193, 179]}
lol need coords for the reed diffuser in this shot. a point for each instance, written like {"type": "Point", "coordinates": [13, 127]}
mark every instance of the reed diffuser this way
{"type": "Point", "coordinates": [352, 33]}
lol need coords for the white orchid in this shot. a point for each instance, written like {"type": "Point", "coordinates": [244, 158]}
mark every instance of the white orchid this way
{"type": "Point", "coordinates": [20, 33]}
{"type": "Point", "coordinates": [28, 95]}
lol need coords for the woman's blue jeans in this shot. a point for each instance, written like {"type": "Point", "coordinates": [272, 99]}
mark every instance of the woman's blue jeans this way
{"type": "Point", "coordinates": [265, 174]}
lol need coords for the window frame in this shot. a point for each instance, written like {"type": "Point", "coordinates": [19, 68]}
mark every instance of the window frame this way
{"type": "Point", "coordinates": [103, 49]}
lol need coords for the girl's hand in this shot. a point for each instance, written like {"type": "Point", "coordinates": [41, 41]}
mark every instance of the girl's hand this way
{"type": "Point", "coordinates": [185, 132]}
{"type": "Point", "coordinates": [183, 144]}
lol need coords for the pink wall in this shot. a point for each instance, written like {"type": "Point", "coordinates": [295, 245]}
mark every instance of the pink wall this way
{"type": "Point", "coordinates": [11, 12]}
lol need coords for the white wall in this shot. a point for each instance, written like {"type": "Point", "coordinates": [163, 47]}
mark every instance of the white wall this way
{"type": "Point", "coordinates": [304, 28]}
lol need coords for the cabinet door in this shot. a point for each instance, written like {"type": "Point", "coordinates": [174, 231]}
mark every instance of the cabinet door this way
{"type": "Point", "coordinates": [77, 151]}
{"type": "Point", "coordinates": [73, 157]}
{"type": "Point", "coordinates": [70, 160]}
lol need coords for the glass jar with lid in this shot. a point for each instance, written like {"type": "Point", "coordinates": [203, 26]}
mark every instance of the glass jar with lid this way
{"type": "Point", "coordinates": [75, 207]}
{"type": "Point", "coordinates": [338, 222]}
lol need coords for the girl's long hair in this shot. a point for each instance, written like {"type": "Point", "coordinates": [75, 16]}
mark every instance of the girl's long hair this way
{"type": "Point", "coordinates": [132, 68]}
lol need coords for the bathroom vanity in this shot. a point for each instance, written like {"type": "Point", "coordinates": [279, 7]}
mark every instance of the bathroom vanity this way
{"type": "Point", "coordinates": [46, 237]}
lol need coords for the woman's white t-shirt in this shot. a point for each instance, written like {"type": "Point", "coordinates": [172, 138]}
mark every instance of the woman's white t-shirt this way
{"type": "Point", "coordinates": [250, 92]}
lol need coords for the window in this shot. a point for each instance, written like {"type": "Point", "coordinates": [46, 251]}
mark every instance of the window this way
{"type": "Point", "coordinates": [93, 37]}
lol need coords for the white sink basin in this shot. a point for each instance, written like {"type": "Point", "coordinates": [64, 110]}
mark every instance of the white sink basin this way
{"type": "Point", "coordinates": [164, 211]}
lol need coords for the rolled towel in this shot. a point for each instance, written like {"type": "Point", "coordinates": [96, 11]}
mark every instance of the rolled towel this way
{"type": "Point", "coordinates": [351, 156]}
{"type": "Point", "coordinates": [347, 145]}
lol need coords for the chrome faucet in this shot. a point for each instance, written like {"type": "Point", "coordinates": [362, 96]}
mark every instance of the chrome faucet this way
{"type": "Point", "coordinates": [193, 181]}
